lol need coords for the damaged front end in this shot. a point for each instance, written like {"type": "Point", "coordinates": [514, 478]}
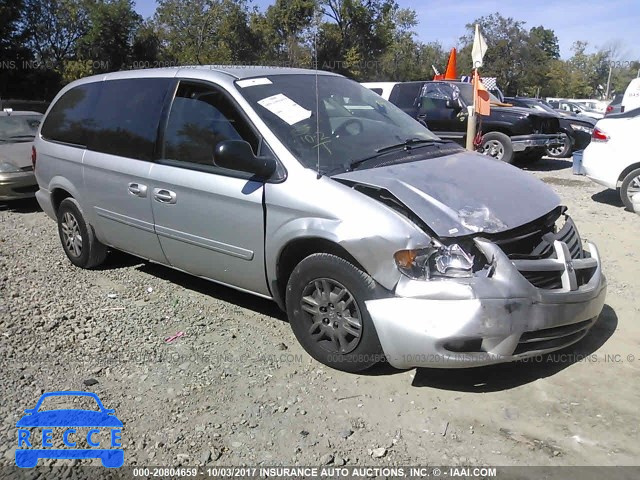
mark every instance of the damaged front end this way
{"type": "Point", "coordinates": [492, 296]}
{"type": "Point", "coordinates": [504, 276]}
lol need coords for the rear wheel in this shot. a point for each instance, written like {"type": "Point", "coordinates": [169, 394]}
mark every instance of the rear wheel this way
{"type": "Point", "coordinates": [326, 307]}
{"type": "Point", "coordinates": [78, 240]}
{"type": "Point", "coordinates": [497, 145]}
{"type": "Point", "coordinates": [630, 186]}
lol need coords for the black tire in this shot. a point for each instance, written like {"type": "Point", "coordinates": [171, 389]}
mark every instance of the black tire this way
{"type": "Point", "coordinates": [503, 150]}
{"type": "Point", "coordinates": [561, 153]}
{"type": "Point", "coordinates": [358, 356]}
{"type": "Point", "coordinates": [631, 181]}
{"type": "Point", "coordinates": [91, 252]}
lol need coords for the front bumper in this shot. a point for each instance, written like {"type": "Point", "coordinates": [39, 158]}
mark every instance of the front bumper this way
{"type": "Point", "coordinates": [521, 143]}
{"type": "Point", "coordinates": [17, 185]}
{"type": "Point", "coordinates": [501, 318]}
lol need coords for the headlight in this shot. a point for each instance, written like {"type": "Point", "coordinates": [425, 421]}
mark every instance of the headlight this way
{"type": "Point", "coordinates": [582, 128]}
{"type": "Point", "coordinates": [435, 261]}
{"type": "Point", "coordinates": [8, 168]}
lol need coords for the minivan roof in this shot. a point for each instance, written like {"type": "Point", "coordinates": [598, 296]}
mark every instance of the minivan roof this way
{"type": "Point", "coordinates": [235, 71]}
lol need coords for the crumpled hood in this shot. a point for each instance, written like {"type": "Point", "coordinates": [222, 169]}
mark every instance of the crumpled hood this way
{"type": "Point", "coordinates": [463, 193]}
{"type": "Point", "coordinates": [18, 154]}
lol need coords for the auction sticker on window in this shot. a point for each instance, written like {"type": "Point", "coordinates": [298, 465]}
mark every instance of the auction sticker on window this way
{"type": "Point", "coordinates": [253, 82]}
{"type": "Point", "coordinates": [285, 108]}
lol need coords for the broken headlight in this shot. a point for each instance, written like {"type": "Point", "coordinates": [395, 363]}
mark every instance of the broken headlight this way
{"type": "Point", "coordinates": [437, 260]}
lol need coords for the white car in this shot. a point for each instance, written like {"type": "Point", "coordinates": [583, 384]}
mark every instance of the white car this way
{"type": "Point", "coordinates": [611, 159]}
{"type": "Point", "coordinates": [631, 97]}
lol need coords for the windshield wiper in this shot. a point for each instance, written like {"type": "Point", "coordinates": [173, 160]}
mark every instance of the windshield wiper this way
{"type": "Point", "coordinates": [22, 136]}
{"type": "Point", "coordinates": [408, 144]}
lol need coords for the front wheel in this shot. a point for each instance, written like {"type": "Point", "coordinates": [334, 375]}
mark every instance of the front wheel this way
{"type": "Point", "coordinates": [326, 308]}
{"type": "Point", "coordinates": [497, 145]}
{"type": "Point", "coordinates": [560, 151]}
{"type": "Point", "coordinates": [630, 186]}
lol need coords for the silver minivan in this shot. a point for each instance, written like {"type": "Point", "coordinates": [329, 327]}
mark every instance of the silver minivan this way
{"type": "Point", "coordinates": [380, 240]}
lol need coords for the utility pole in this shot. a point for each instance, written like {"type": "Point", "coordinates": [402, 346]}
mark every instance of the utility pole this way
{"type": "Point", "coordinates": [606, 95]}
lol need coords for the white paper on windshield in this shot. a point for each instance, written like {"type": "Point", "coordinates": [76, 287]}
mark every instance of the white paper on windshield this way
{"type": "Point", "coordinates": [253, 82]}
{"type": "Point", "coordinates": [285, 108]}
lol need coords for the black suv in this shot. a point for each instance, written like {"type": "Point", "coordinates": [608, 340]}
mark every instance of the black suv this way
{"type": "Point", "coordinates": [577, 128]}
{"type": "Point", "coordinates": [509, 133]}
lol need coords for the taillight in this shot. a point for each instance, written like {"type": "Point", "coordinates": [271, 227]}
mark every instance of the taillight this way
{"type": "Point", "coordinates": [609, 109]}
{"type": "Point", "coordinates": [599, 136]}
{"type": "Point", "coordinates": [34, 156]}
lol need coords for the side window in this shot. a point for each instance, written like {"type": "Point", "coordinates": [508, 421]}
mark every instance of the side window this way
{"type": "Point", "coordinates": [127, 117]}
{"type": "Point", "coordinates": [200, 118]}
{"type": "Point", "coordinates": [404, 95]}
{"type": "Point", "coordinates": [69, 120]}
{"type": "Point", "coordinates": [435, 96]}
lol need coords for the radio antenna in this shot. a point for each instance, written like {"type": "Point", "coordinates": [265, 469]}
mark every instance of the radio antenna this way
{"type": "Point", "coordinates": [315, 61]}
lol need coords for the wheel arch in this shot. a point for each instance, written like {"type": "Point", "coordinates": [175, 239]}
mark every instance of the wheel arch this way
{"type": "Point", "coordinates": [628, 170]}
{"type": "Point", "coordinates": [295, 251]}
{"type": "Point", "coordinates": [57, 196]}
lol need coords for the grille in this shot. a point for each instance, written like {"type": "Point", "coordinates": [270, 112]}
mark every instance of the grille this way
{"type": "Point", "coordinates": [569, 235]}
{"type": "Point", "coordinates": [555, 337]}
{"type": "Point", "coordinates": [553, 280]}
{"type": "Point", "coordinates": [534, 254]}
{"type": "Point", "coordinates": [546, 280]}
{"type": "Point", "coordinates": [536, 242]}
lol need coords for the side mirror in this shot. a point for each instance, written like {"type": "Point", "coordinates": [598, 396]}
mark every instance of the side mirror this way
{"type": "Point", "coordinates": [238, 155]}
{"type": "Point", "coordinates": [453, 104]}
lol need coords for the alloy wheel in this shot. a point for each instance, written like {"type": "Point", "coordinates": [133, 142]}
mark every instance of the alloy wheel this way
{"type": "Point", "coordinates": [633, 188]}
{"type": "Point", "coordinates": [493, 148]}
{"type": "Point", "coordinates": [71, 234]}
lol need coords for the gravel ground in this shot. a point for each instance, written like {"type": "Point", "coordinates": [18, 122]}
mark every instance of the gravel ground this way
{"type": "Point", "coordinates": [237, 389]}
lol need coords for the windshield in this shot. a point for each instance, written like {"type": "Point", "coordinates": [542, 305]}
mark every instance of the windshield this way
{"type": "Point", "coordinates": [543, 107]}
{"type": "Point", "coordinates": [19, 128]}
{"type": "Point", "coordinates": [345, 123]}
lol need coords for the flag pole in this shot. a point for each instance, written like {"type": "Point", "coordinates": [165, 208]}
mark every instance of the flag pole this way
{"type": "Point", "coordinates": [471, 117]}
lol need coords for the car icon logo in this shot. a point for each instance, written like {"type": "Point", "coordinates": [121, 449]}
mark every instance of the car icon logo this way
{"type": "Point", "coordinates": [100, 421]}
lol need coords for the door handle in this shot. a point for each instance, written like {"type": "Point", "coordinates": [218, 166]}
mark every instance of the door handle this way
{"type": "Point", "coordinates": [164, 196]}
{"type": "Point", "coordinates": [138, 190]}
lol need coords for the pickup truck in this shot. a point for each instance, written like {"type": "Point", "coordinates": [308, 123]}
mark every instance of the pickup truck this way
{"type": "Point", "coordinates": [509, 133]}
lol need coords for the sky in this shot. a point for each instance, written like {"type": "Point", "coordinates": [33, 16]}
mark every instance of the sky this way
{"type": "Point", "coordinates": [600, 22]}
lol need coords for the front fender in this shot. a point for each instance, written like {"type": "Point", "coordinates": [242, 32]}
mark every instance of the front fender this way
{"type": "Point", "coordinates": [368, 230]}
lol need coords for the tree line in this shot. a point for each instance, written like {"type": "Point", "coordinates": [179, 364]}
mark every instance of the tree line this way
{"type": "Point", "coordinates": [45, 44]}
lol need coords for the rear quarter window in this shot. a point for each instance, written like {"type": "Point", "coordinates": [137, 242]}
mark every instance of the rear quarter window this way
{"type": "Point", "coordinates": [405, 95]}
{"type": "Point", "coordinates": [70, 119]}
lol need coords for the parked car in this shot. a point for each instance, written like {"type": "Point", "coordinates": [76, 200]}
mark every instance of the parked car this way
{"type": "Point", "coordinates": [17, 131]}
{"type": "Point", "coordinates": [631, 99]}
{"type": "Point", "coordinates": [567, 106]}
{"type": "Point", "coordinates": [615, 106]}
{"type": "Point", "coordinates": [577, 129]}
{"type": "Point", "coordinates": [311, 190]}
{"type": "Point", "coordinates": [612, 157]}
{"type": "Point", "coordinates": [509, 133]}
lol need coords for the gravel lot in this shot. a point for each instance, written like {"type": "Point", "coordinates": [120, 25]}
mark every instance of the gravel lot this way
{"type": "Point", "coordinates": [237, 388]}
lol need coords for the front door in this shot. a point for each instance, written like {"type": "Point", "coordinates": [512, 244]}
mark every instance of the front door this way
{"type": "Point", "coordinates": [210, 221]}
{"type": "Point", "coordinates": [441, 110]}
